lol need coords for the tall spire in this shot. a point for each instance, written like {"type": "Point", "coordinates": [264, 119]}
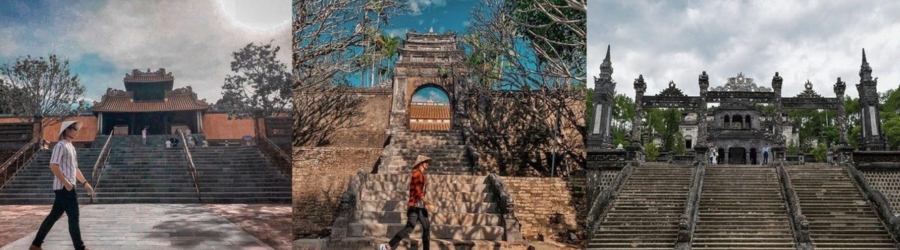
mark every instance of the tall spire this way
{"type": "Point", "coordinates": [865, 72]}
{"type": "Point", "coordinates": [608, 47]}
{"type": "Point", "coordinates": [606, 69]}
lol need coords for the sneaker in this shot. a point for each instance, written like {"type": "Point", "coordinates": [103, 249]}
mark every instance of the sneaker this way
{"type": "Point", "coordinates": [33, 247]}
{"type": "Point", "coordinates": [382, 247]}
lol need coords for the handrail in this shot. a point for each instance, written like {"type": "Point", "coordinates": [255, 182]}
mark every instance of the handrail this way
{"type": "Point", "coordinates": [605, 198]}
{"type": "Point", "coordinates": [799, 223]}
{"type": "Point", "coordinates": [4, 169]}
{"type": "Point", "coordinates": [285, 163]}
{"type": "Point", "coordinates": [190, 162]}
{"type": "Point", "coordinates": [688, 222]}
{"type": "Point", "coordinates": [877, 200]}
{"type": "Point", "coordinates": [95, 175]}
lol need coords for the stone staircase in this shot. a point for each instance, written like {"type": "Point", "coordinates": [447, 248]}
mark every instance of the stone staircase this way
{"type": "Point", "coordinates": [742, 207]}
{"type": "Point", "coordinates": [33, 184]}
{"type": "Point", "coordinates": [839, 216]}
{"type": "Point", "coordinates": [445, 147]}
{"type": "Point", "coordinates": [646, 213]}
{"type": "Point", "coordinates": [146, 175]}
{"type": "Point", "coordinates": [153, 141]}
{"type": "Point", "coordinates": [466, 210]}
{"type": "Point", "coordinates": [239, 175]}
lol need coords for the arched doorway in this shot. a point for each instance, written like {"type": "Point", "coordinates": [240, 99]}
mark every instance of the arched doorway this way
{"type": "Point", "coordinates": [430, 109]}
{"type": "Point", "coordinates": [721, 158]}
{"type": "Point", "coordinates": [737, 155]}
{"type": "Point", "coordinates": [753, 159]}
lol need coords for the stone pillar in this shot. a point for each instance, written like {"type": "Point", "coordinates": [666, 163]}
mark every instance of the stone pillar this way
{"type": "Point", "coordinates": [746, 156]}
{"type": "Point", "coordinates": [639, 87]}
{"type": "Point", "coordinates": [725, 160]}
{"type": "Point", "coordinates": [701, 111]}
{"type": "Point", "coordinates": [776, 88]}
{"type": "Point", "coordinates": [871, 137]}
{"type": "Point", "coordinates": [604, 91]}
{"type": "Point", "coordinates": [636, 149]}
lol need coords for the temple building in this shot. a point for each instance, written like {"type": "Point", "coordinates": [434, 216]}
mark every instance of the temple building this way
{"type": "Point", "coordinates": [150, 101]}
{"type": "Point", "coordinates": [426, 60]}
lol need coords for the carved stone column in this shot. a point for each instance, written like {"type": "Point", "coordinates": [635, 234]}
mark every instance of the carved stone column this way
{"type": "Point", "coordinates": [639, 87]}
{"type": "Point", "coordinates": [725, 161]}
{"type": "Point", "coordinates": [701, 113]}
{"type": "Point", "coordinates": [636, 149]}
{"type": "Point", "coordinates": [839, 88]}
{"type": "Point", "coordinates": [776, 88]}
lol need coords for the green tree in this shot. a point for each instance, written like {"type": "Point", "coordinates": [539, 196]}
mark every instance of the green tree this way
{"type": "Point", "coordinates": [41, 87]}
{"type": "Point", "coordinates": [260, 81]}
{"type": "Point", "coordinates": [680, 147]}
{"type": "Point", "coordinates": [651, 150]}
{"type": "Point", "coordinates": [670, 131]}
{"type": "Point", "coordinates": [820, 152]}
{"type": "Point", "coordinates": [891, 127]}
{"type": "Point", "coordinates": [792, 148]}
{"type": "Point", "coordinates": [589, 106]}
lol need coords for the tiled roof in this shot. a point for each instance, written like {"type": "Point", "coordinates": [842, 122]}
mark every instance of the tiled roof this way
{"type": "Point", "coordinates": [420, 126]}
{"type": "Point", "coordinates": [429, 112]}
{"type": "Point", "coordinates": [173, 102]}
{"type": "Point", "coordinates": [156, 76]}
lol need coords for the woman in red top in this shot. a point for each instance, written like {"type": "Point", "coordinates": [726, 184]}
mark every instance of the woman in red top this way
{"type": "Point", "coordinates": [416, 207]}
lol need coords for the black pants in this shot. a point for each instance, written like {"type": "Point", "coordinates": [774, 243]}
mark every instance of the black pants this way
{"type": "Point", "coordinates": [413, 215]}
{"type": "Point", "coordinates": [765, 157]}
{"type": "Point", "coordinates": [66, 201]}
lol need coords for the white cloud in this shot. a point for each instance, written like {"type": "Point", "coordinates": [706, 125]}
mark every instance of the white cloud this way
{"type": "Point", "coordinates": [193, 39]}
{"type": "Point", "coordinates": [8, 45]}
{"type": "Point", "coordinates": [801, 40]}
{"type": "Point", "coordinates": [416, 6]}
{"type": "Point", "coordinates": [398, 32]}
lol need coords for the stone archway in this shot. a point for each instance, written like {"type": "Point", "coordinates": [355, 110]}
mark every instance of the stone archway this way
{"type": "Point", "coordinates": [753, 159]}
{"type": "Point", "coordinates": [429, 109]}
{"type": "Point", "coordinates": [737, 155]}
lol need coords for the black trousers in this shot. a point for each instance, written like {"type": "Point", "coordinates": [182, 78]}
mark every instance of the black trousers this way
{"type": "Point", "coordinates": [414, 215]}
{"type": "Point", "coordinates": [765, 157]}
{"type": "Point", "coordinates": [66, 201]}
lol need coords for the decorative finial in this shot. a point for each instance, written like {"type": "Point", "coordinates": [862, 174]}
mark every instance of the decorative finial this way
{"type": "Point", "coordinates": [671, 83]}
{"type": "Point", "coordinates": [808, 85]}
{"type": "Point", "coordinates": [607, 53]}
{"type": "Point", "coordinates": [864, 56]}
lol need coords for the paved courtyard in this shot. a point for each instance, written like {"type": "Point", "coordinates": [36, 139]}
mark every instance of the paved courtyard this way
{"type": "Point", "coordinates": [147, 226]}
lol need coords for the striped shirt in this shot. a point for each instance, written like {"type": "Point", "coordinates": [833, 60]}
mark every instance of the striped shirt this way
{"type": "Point", "coordinates": [64, 156]}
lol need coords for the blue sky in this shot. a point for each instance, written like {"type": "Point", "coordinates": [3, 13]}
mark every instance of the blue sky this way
{"type": "Point", "coordinates": [430, 94]}
{"type": "Point", "coordinates": [442, 15]}
{"type": "Point", "coordinates": [103, 40]}
{"type": "Point", "coordinates": [677, 40]}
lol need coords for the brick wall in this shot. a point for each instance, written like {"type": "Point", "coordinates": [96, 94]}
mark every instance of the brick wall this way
{"type": "Point", "coordinates": [320, 176]}
{"type": "Point", "coordinates": [544, 206]}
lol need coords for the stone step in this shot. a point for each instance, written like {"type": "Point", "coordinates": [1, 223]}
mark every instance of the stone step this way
{"type": "Point", "coordinates": [461, 219]}
{"type": "Point", "coordinates": [437, 231]}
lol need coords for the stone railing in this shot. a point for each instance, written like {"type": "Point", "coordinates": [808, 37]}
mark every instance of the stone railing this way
{"type": "Point", "coordinates": [688, 220]}
{"type": "Point", "coordinates": [799, 224]}
{"type": "Point", "coordinates": [881, 204]}
{"type": "Point", "coordinates": [21, 158]}
{"type": "Point", "coordinates": [191, 167]}
{"type": "Point", "coordinates": [100, 165]}
{"type": "Point", "coordinates": [876, 159]}
{"type": "Point", "coordinates": [274, 154]}
{"type": "Point", "coordinates": [348, 205]}
{"type": "Point", "coordinates": [506, 206]}
{"type": "Point", "coordinates": [604, 201]}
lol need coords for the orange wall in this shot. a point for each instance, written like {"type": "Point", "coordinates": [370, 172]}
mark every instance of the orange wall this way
{"type": "Point", "coordinates": [87, 133]}
{"type": "Point", "coordinates": [216, 126]}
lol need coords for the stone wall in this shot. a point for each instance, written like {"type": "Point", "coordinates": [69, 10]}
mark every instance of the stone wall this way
{"type": "Point", "coordinates": [320, 176]}
{"type": "Point", "coordinates": [545, 207]}
{"type": "Point", "coordinates": [369, 130]}
{"type": "Point", "coordinates": [886, 181]}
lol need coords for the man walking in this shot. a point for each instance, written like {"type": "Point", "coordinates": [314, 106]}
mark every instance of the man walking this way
{"type": "Point", "coordinates": [64, 165]}
{"type": "Point", "coordinates": [417, 207]}
{"type": "Point", "coordinates": [144, 136]}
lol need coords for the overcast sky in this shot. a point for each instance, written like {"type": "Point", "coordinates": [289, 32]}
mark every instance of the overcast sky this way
{"type": "Point", "coordinates": [677, 40]}
{"type": "Point", "coordinates": [104, 40]}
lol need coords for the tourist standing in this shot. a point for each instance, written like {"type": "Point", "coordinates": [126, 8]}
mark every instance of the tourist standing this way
{"type": "Point", "coordinates": [64, 165]}
{"type": "Point", "coordinates": [766, 154]}
{"type": "Point", "coordinates": [416, 208]}
{"type": "Point", "coordinates": [169, 143]}
{"type": "Point", "coordinates": [144, 136]}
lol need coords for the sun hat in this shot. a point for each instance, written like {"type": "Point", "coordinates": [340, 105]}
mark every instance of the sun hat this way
{"type": "Point", "coordinates": [66, 125]}
{"type": "Point", "coordinates": [420, 159]}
